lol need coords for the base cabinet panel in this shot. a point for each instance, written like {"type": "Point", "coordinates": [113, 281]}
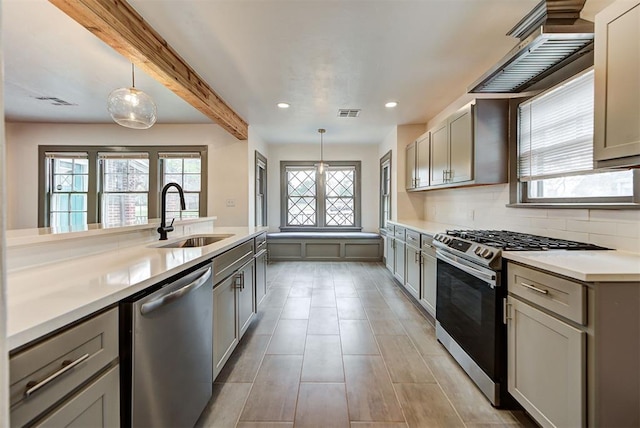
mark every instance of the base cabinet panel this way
{"type": "Point", "coordinates": [97, 405]}
{"type": "Point", "coordinates": [412, 269]}
{"type": "Point", "coordinates": [225, 337]}
{"type": "Point", "coordinates": [261, 276]}
{"type": "Point", "coordinates": [428, 283]}
{"type": "Point", "coordinates": [391, 257]}
{"type": "Point", "coordinates": [246, 297]}
{"type": "Point", "coordinates": [398, 271]}
{"type": "Point", "coordinates": [546, 360]}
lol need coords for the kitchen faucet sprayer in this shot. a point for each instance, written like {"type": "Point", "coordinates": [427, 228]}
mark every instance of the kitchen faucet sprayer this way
{"type": "Point", "coordinates": [163, 229]}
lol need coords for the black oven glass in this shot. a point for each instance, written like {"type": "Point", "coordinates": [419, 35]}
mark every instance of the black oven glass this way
{"type": "Point", "coordinates": [466, 309]}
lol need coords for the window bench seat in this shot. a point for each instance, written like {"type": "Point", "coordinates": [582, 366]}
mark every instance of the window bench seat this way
{"type": "Point", "coordinates": [328, 246]}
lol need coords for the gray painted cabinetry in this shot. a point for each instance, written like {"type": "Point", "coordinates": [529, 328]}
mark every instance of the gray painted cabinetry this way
{"type": "Point", "coordinates": [234, 304]}
{"type": "Point", "coordinates": [617, 85]}
{"type": "Point", "coordinates": [69, 379]}
{"type": "Point", "coordinates": [399, 245]}
{"type": "Point", "coordinates": [573, 349]}
{"type": "Point", "coordinates": [417, 163]}
{"type": "Point", "coordinates": [428, 275]}
{"type": "Point", "coordinates": [412, 263]}
{"type": "Point", "coordinates": [469, 148]}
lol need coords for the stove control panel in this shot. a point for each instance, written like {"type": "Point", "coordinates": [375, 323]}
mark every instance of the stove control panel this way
{"type": "Point", "coordinates": [468, 249]}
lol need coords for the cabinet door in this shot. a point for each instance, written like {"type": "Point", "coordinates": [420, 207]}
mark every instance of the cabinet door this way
{"type": "Point", "coordinates": [546, 360]}
{"type": "Point", "coordinates": [422, 162]}
{"type": "Point", "coordinates": [617, 83]}
{"type": "Point", "coordinates": [439, 154]}
{"type": "Point", "coordinates": [412, 270]}
{"type": "Point", "coordinates": [399, 263]}
{"type": "Point", "coordinates": [225, 336]}
{"type": "Point", "coordinates": [428, 284]}
{"type": "Point", "coordinates": [410, 166]}
{"type": "Point", "coordinates": [461, 146]}
{"type": "Point", "coordinates": [261, 276]}
{"type": "Point", "coordinates": [246, 297]}
{"type": "Point", "coordinates": [391, 256]}
{"type": "Point", "coordinates": [96, 405]}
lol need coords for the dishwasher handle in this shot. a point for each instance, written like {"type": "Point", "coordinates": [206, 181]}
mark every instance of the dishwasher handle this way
{"type": "Point", "coordinates": [164, 300]}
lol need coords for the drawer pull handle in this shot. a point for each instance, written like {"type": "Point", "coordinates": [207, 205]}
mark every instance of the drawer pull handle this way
{"type": "Point", "coordinates": [67, 365]}
{"type": "Point", "coordinates": [531, 287]}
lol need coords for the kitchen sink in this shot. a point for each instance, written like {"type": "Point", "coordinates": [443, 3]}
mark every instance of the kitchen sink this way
{"type": "Point", "coordinates": [197, 241]}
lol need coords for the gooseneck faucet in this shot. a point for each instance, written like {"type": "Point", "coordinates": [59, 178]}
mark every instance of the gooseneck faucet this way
{"type": "Point", "coordinates": [163, 229]}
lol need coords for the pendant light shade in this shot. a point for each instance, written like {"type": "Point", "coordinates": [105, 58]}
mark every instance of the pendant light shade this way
{"type": "Point", "coordinates": [322, 166]}
{"type": "Point", "coordinates": [132, 108]}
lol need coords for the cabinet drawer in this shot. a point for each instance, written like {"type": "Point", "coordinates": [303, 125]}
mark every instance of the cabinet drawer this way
{"type": "Point", "coordinates": [226, 263]}
{"type": "Point", "coordinates": [413, 238]}
{"type": "Point", "coordinates": [426, 242]}
{"type": "Point", "coordinates": [399, 232]}
{"type": "Point", "coordinates": [564, 297]}
{"type": "Point", "coordinates": [92, 344]}
{"type": "Point", "coordinates": [261, 241]}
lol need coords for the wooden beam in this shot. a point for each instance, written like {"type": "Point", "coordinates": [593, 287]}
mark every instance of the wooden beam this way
{"type": "Point", "coordinates": [116, 23]}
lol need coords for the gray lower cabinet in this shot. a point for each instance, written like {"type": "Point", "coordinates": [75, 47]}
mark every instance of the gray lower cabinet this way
{"type": "Point", "coordinates": [398, 268]}
{"type": "Point", "coordinates": [412, 271]}
{"type": "Point", "coordinates": [225, 331]}
{"type": "Point", "coordinates": [246, 297]}
{"type": "Point", "coordinates": [428, 283]}
{"type": "Point", "coordinates": [70, 378]}
{"type": "Point", "coordinates": [546, 366]}
{"type": "Point", "coordinates": [261, 275]}
{"type": "Point", "coordinates": [96, 406]}
{"type": "Point", "coordinates": [391, 256]}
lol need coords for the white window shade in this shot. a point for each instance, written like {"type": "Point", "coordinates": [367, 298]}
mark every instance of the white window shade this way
{"type": "Point", "coordinates": [556, 131]}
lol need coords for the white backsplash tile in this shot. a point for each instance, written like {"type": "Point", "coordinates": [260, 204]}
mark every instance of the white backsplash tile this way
{"type": "Point", "coordinates": [619, 229]}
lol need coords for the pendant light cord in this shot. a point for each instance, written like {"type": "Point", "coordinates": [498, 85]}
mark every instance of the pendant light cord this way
{"type": "Point", "coordinates": [133, 77]}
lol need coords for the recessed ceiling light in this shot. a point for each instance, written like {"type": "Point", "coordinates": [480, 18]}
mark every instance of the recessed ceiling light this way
{"type": "Point", "coordinates": [391, 104]}
{"type": "Point", "coordinates": [283, 105]}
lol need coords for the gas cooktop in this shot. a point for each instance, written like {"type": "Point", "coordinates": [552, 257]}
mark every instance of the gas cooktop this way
{"type": "Point", "coordinates": [515, 241]}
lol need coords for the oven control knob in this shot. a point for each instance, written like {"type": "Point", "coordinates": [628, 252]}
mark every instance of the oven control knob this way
{"type": "Point", "coordinates": [487, 254]}
{"type": "Point", "coordinates": [478, 251]}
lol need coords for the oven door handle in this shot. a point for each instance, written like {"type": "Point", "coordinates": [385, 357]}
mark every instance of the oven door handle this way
{"type": "Point", "coordinates": [490, 278]}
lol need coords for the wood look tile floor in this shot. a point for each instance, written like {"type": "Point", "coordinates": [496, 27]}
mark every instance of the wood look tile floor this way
{"type": "Point", "coordinates": [340, 345]}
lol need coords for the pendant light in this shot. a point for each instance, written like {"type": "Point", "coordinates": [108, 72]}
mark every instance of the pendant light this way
{"type": "Point", "coordinates": [321, 166]}
{"type": "Point", "coordinates": [132, 108]}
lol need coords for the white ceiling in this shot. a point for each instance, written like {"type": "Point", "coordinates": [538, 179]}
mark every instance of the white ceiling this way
{"type": "Point", "coordinates": [317, 55]}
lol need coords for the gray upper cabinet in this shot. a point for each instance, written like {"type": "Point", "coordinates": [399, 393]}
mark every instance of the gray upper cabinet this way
{"type": "Point", "coordinates": [439, 154]}
{"type": "Point", "coordinates": [417, 163]}
{"type": "Point", "coordinates": [617, 85]}
{"type": "Point", "coordinates": [410, 168]}
{"type": "Point", "coordinates": [471, 146]}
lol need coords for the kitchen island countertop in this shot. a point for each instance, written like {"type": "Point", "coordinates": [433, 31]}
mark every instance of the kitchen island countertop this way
{"type": "Point", "coordinates": [44, 298]}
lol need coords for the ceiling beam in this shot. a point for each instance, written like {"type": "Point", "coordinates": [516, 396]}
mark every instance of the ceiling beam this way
{"type": "Point", "coordinates": [117, 24]}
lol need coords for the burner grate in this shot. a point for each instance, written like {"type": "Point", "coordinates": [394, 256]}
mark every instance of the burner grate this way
{"type": "Point", "coordinates": [516, 241]}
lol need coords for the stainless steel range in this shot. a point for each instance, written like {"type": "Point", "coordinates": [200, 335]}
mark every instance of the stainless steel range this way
{"type": "Point", "coordinates": [470, 298]}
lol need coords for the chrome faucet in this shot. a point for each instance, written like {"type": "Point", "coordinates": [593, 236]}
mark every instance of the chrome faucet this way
{"type": "Point", "coordinates": [163, 229]}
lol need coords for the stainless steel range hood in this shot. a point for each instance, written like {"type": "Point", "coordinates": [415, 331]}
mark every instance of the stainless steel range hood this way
{"type": "Point", "coordinates": [551, 36]}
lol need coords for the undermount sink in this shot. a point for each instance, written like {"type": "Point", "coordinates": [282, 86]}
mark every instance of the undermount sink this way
{"type": "Point", "coordinates": [197, 241]}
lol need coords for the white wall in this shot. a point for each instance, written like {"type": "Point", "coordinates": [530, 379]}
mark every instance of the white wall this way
{"type": "Point", "coordinates": [227, 162]}
{"type": "Point", "coordinates": [366, 153]}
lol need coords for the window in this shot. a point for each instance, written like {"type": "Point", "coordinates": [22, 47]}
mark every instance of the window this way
{"type": "Point", "coordinates": [118, 186]}
{"type": "Point", "coordinates": [261, 189]}
{"type": "Point", "coordinates": [329, 201]}
{"type": "Point", "coordinates": [124, 188]}
{"type": "Point", "coordinates": [67, 188]}
{"type": "Point", "coordinates": [385, 190]}
{"type": "Point", "coordinates": [555, 149]}
{"type": "Point", "coordinates": [184, 169]}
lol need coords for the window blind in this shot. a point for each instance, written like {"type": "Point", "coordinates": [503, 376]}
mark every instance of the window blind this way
{"type": "Point", "coordinates": [556, 131]}
{"type": "Point", "coordinates": [179, 155]}
{"type": "Point", "coordinates": [66, 155]}
{"type": "Point", "coordinates": [123, 155]}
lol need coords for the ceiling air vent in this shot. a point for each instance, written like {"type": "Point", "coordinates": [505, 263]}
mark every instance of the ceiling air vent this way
{"type": "Point", "coordinates": [348, 112]}
{"type": "Point", "coordinates": [55, 101]}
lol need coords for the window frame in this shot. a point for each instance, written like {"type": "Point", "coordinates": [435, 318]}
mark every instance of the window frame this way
{"type": "Point", "coordinates": [93, 199]}
{"type": "Point", "coordinates": [518, 190]}
{"type": "Point", "coordinates": [260, 163]}
{"type": "Point", "coordinates": [320, 197]}
{"type": "Point", "coordinates": [385, 163]}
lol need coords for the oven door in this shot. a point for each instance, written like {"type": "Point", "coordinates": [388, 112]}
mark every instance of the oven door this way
{"type": "Point", "coordinates": [467, 308]}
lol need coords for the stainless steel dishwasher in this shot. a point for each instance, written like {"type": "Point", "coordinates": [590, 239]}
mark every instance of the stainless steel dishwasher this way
{"type": "Point", "coordinates": [166, 352]}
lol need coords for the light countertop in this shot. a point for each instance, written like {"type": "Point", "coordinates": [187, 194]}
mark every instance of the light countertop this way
{"type": "Point", "coordinates": [44, 298]}
{"type": "Point", "coordinates": [588, 266]}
